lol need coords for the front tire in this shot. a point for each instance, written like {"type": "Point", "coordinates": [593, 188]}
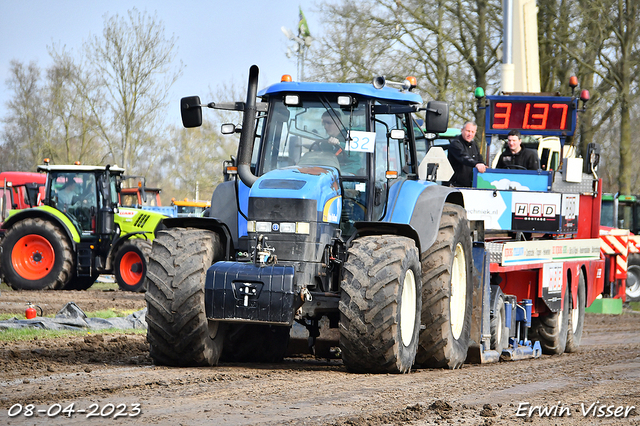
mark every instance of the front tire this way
{"type": "Point", "coordinates": [576, 318]}
{"type": "Point", "coordinates": [130, 267]}
{"type": "Point", "coordinates": [380, 305]}
{"type": "Point", "coordinates": [447, 293]}
{"type": "Point", "coordinates": [36, 255]}
{"type": "Point", "coordinates": [179, 333]}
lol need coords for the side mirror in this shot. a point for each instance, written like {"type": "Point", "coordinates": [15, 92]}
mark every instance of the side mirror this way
{"type": "Point", "coordinates": [191, 111]}
{"type": "Point", "coordinates": [437, 119]}
{"type": "Point", "coordinates": [228, 129]}
{"type": "Point", "coordinates": [397, 134]}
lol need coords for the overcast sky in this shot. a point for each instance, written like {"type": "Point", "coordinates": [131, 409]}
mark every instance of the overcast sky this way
{"type": "Point", "coordinates": [217, 40]}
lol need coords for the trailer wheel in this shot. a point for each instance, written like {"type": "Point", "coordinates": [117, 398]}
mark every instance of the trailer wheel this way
{"type": "Point", "coordinates": [498, 327]}
{"type": "Point", "coordinates": [552, 329]}
{"type": "Point", "coordinates": [633, 279]}
{"type": "Point", "coordinates": [255, 343]}
{"type": "Point", "coordinates": [447, 293]}
{"type": "Point", "coordinates": [36, 255]}
{"type": "Point", "coordinates": [179, 333]}
{"type": "Point", "coordinates": [576, 318]}
{"type": "Point", "coordinates": [130, 267]}
{"type": "Point", "coordinates": [380, 305]}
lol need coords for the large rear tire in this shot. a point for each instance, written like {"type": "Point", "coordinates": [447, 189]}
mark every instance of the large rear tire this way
{"type": "Point", "coordinates": [633, 279]}
{"type": "Point", "coordinates": [447, 293]}
{"type": "Point", "coordinates": [36, 255]}
{"type": "Point", "coordinates": [380, 305]}
{"type": "Point", "coordinates": [552, 329]}
{"type": "Point", "coordinates": [576, 318]}
{"type": "Point", "coordinates": [179, 333]}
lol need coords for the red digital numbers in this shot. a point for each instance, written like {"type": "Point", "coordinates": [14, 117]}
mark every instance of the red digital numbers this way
{"type": "Point", "coordinates": [530, 115]}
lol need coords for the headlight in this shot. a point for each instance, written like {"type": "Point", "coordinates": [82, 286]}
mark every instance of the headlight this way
{"type": "Point", "coordinates": [251, 226]}
{"type": "Point", "coordinates": [288, 227]}
{"type": "Point", "coordinates": [302, 227]}
{"type": "Point", "coordinates": [263, 226]}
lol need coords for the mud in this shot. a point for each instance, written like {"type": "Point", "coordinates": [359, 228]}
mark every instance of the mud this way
{"type": "Point", "coordinates": [103, 369]}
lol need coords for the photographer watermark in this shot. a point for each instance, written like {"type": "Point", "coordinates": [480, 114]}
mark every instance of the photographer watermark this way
{"type": "Point", "coordinates": [594, 409]}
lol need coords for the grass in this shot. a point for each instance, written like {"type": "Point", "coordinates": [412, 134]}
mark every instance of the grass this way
{"type": "Point", "coordinates": [634, 306]}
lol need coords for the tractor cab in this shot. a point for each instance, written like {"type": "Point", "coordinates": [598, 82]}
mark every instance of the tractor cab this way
{"type": "Point", "coordinates": [87, 195]}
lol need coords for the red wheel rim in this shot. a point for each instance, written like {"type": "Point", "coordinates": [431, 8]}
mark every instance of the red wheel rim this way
{"type": "Point", "coordinates": [33, 257]}
{"type": "Point", "coordinates": [127, 263]}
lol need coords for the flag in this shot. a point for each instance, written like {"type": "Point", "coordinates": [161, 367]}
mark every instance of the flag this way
{"type": "Point", "coordinates": [303, 28]}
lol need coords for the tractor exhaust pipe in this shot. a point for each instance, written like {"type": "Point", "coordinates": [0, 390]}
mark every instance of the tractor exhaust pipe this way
{"type": "Point", "coordinates": [245, 148]}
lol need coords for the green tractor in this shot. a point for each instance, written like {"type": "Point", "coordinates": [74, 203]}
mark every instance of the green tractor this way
{"type": "Point", "coordinates": [77, 234]}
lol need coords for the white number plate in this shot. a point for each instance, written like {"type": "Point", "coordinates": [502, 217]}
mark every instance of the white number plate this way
{"type": "Point", "coordinates": [362, 141]}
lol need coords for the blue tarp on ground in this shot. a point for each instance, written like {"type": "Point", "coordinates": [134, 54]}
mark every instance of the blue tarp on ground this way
{"type": "Point", "coordinates": [71, 317]}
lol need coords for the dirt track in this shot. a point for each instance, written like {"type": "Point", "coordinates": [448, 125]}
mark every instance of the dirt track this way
{"type": "Point", "coordinates": [105, 369]}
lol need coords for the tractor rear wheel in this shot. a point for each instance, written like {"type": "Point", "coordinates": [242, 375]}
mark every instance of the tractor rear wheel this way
{"type": "Point", "coordinates": [130, 267]}
{"type": "Point", "coordinates": [447, 293]}
{"type": "Point", "coordinates": [380, 305]}
{"type": "Point", "coordinates": [633, 278]}
{"type": "Point", "coordinates": [576, 318]}
{"type": "Point", "coordinates": [551, 330]}
{"type": "Point", "coordinates": [36, 255]}
{"type": "Point", "coordinates": [179, 333]}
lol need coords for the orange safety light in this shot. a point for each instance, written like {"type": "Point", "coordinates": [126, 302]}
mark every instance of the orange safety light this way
{"type": "Point", "coordinates": [573, 81]}
{"type": "Point", "coordinates": [139, 184]}
{"type": "Point", "coordinates": [45, 161]}
{"type": "Point", "coordinates": [391, 174]}
{"type": "Point", "coordinates": [232, 170]}
{"type": "Point", "coordinates": [77, 163]}
{"type": "Point", "coordinates": [413, 81]}
{"type": "Point", "coordinates": [286, 78]}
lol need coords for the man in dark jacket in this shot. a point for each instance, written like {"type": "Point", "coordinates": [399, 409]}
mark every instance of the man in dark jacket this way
{"type": "Point", "coordinates": [464, 156]}
{"type": "Point", "coordinates": [515, 156]}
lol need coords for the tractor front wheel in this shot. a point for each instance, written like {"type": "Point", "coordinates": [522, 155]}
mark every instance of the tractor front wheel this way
{"type": "Point", "coordinates": [36, 255]}
{"type": "Point", "coordinates": [380, 305]}
{"type": "Point", "coordinates": [130, 266]}
{"type": "Point", "coordinates": [552, 329]}
{"type": "Point", "coordinates": [179, 333]}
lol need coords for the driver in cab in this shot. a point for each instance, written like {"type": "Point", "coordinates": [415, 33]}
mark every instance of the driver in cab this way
{"type": "Point", "coordinates": [515, 156]}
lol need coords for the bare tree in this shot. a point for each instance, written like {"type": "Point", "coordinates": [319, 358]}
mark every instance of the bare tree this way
{"type": "Point", "coordinates": [132, 63]}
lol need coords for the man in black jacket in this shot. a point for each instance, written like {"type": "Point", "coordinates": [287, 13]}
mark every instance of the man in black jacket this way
{"type": "Point", "coordinates": [516, 156]}
{"type": "Point", "coordinates": [464, 156]}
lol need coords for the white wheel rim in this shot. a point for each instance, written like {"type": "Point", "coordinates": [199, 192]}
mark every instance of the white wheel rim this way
{"type": "Point", "coordinates": [408, 308]}
{"type": "Point", "coordinates": [458, 299]}
{"type": "Point", "coordinates": [499, 327]}
{"type": "Point", "coordinates": [633, 283]}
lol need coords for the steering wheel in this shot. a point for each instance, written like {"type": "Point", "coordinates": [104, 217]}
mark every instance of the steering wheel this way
{"type": "Point", "coordinates": [516, 167]}
{"type": "Point", "coordinates": [324, 146]}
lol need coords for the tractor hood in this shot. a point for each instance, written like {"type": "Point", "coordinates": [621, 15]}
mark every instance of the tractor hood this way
{"type": "Point", "coordinates": [297, 193]}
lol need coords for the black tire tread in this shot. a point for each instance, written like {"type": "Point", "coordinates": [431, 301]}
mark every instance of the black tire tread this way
{"type": "Point", "coordinates": [368, 309]}
{"type": "Point", "coordinates": [178, 329]}
{"type": "Point", "coordinates": [437, 347]}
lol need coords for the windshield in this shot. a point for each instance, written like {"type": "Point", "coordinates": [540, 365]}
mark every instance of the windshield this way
{"type": "Point", "coordinates": [313, 133]}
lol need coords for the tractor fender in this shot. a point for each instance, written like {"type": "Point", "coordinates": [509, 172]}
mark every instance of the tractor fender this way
{"type": "Point", "coordinates": [48, 213]}
{"type": "Point", "coordinates": [224, 206]}
{"type": "Point", "coordinates": [208, 223]}
{"type": "Point", "coordinates": [419, 205]}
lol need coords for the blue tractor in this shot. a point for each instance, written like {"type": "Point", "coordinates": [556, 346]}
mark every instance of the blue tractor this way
{"type": "Point", "coordinates": [328, 221]}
